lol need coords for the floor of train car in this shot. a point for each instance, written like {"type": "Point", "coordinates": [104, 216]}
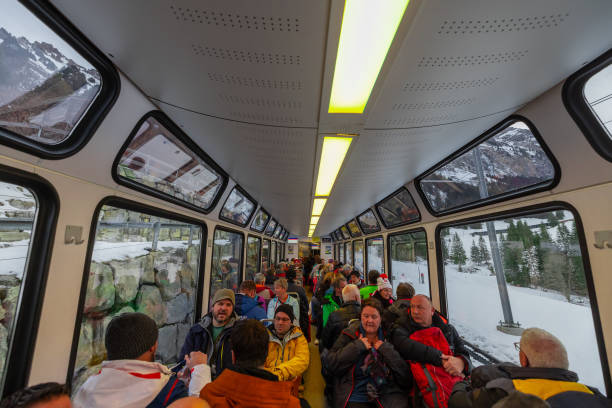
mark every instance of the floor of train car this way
{"type": "Point", "coordinates": [314, 385]}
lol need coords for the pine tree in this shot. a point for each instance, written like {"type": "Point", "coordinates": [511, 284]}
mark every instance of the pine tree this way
{"type": "Point", "coordinates": [530, 266]}
{"type": "Point", "coordinates": [475, 256]}
{"type": "Point", "coordinates": [566, 266]}
{"type": "Point", "coordinates": [457, 255]}
{"type": "Point", "coordinates": [445, 254]}
{"type": "Point", "coordinates": [485, 256]}
{"type": "Point", "coordinates": [576, 261]}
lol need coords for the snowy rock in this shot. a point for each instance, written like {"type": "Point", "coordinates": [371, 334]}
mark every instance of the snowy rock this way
{"type": "Point", "coordinates": [182, 331]}
{"type": "Point", "coordinates": [127, 278]}
{"type": "Point", "coordinates": [187, 278]}
{"type": "Point", "coordinates": [149, 302]}
{"type": "Point", "coordinates": [9, 303]}
{"type": "Point", "coordinates": [178, 308]}
{"type": "Point", "coordinates": [3, 346]}
{"type": "Point", "coordinates": [100, 288]}
{"type": "Point", "coordinates": [148, 268]}
{"type": "Point", "coordinates": [168, 280]}
{"type": "Point", "coordinates": [9, 280]}
{"type": "Point", "coordinates": [193, 257]}
{"type": "Point", "coordinates": [166, 349]}
{"type": "Point", "coordinates": [21, 204]}
{"type": "Point", "coordinates": [81, 375]}
{"type": "Point", "coordinates": [85, 347]}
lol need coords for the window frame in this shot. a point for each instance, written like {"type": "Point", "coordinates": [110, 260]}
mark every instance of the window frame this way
{"type": "Point", "coordinates": [588, 273]}
{"type": "Point", "coordinates": [580, 110]}
{"type": "Point", "coordinates": [248, 196]}
{"type": "Point", "coordinates": [265, 225]}
{"type": "Point", "coordinates": [358, 228]}
{"type": "Point", "coordinates": [536, 188]}
{"type": "Point", "coordinates": [377, 221]}
{"type": "Point", "coordinates": [388, 250]}
{"type": "Point", "coordinates": [268, 223]}
{"type": "Point", "coordinates": [22, 340]}
{"type": "Point", "coordinates": [177, 132]}
{"type": "Point", "coordinates": [130, 205]}
{"type": "Point", "coordinates": [258, 253]}
{"type": "Point", "coordinates": [89, 122]}
{"type": "Point", "coordinates": [240, 273]}
{"type": "Point", "coordinates": [403, 223]}
{"type": "Point", "coordinates": [365, 253]}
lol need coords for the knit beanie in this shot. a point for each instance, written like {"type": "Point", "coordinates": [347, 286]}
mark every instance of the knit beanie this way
{"type": "Point", "coordinates": [383, 283]}
{"type": "Point", "coordinates": [286, 309]}
{"type": "Point", "coordinates": [222, 294]}
{"type": "Point", "coordinates": [129, 335]}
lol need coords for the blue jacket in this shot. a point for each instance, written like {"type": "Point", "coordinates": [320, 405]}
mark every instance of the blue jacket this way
{"type": "Point", "coordinates": [249, 308]}
{"type": "Point", "coordinates": [173, 390]}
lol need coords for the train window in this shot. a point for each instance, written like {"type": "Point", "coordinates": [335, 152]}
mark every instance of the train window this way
{"type": "Point", "coordinates": [277, 231]}
{"type": "Point", "coordinates": [139, 262]}
{"type": "Point", "coordinates": [271, 226]}
{"type": "Point", "coordinates": [526, 268]}
{"type": "Point", "coordinates": [226, 271]}
{"type": "Point", "coordinates": [260, 220]}
{"type": "Point", "coordinates": [252, 257]}
{"type": "Point", "coordinates": [375, 254]}
{"type": "Point", "coordinates": [265, 255]}
{"type": "Point", "coordinates": [341, 252]}
{"type": "Point", "coordinates": [398, 209]}
{"type": "Point", "coordinates": [159, 159]}
{"type": "Point", "coordinates": [238, 207]}
{"type": "Point", "coordinates": [56, 87]}
{"type": "Point", "coordinates": [345, 232]}
{"type": "Point", "coordinates": [368, 222]}
{"type": "Point", "coordinates": [587, 95]}
{"type": "Point", "coordinates": [273, 253]}
{"type": "Point", "coordinates": [353, 229]}
{"type": "Point", "coordinates": [408, 256]}
{"type": "Point", "coordinates": [358, 255]}
{"type": "Point", "coordinates": [510, 160]}
{"type": "Point", "coordinates": [348, 249]}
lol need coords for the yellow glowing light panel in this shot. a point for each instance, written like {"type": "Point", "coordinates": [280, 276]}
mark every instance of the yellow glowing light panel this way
{"type": "Point", "coordinates": [314, 220]}
{"type": "Point", "coordinates": [317, 205]}
{"type": "Point", "coordinates": [332, 156]}
{"type": "Point", "coordinates": [368, 28]}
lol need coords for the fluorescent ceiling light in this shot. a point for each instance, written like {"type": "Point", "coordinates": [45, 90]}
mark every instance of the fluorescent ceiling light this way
{"type": "Point", "coordinates": [314, 220]}
{"type": "Point", "coordinates": [368, 29]}
{"type": "Point", "coordinates": [317, 205]}
{"type": "Point", "coordinates": [332, 156]}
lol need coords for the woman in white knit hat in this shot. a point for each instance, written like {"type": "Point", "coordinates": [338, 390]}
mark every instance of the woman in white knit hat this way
{"type": "Point", "coordinates": [384, 293]}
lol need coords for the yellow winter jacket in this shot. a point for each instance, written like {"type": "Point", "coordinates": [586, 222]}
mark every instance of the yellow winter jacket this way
{"type": "Point", "coordinates": [288, 357]}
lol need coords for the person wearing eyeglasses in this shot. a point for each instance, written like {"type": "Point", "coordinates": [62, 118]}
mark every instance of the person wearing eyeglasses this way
{"type": "Point", "coordinates": [543, 372]}
{"type": "Point", "coordinates": [288, 354]}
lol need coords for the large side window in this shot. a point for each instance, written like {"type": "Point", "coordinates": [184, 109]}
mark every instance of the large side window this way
{"type": "Point", "coordinates": [226, 271]}
{"type": "Point", "coordinates": [261, 219]}
{"type": "Point", "coordinates": [368, 222]}
{"type": "Point", "coordinates": [513, 272]}
{"type": "Point", "coordinates": [265, 255]}
{"type": "Point", "coordinates": [159, 159]}
{"type": "Point", "coordinates": [398, 209]}
{"type": "Point", "coordinates": [588, 97]}
{"type": "Point", "coordinates": [273, 253]}
{"type": "Point", "coordinates": [510, 160]}
{"type": "Point", "coordinates": [358, 254]}
{"type": "Point", "coordinates": [55, 87]}
{"type": "Point", "coordinates": [252, 260]}
{"type": "Point", "coordinates": [341, 253]}
{"type": "Point", "coordinates": [375, 254]}
{"type": "Point", "coordinates": [348, 249]}
{"type": "Point", "coordinates": [139, 262]}
{"type": "Point", "coordinates": [238, 207]}
{"type": "Point", "coordinates": [408, 255]}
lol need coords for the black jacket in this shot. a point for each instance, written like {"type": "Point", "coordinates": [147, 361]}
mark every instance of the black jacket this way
{"type": "Point", "coordinates": [338, 321]}
{"type": "Point", "coordinates": [384, 302]}
{"type": "Point", "coordinates": [415, 351]}
{"type": "Point", "coordinates": [398, 309]}
{"type": "Point", "coordinates": [303, 302]}
{"type": "Point", "coordinates": [342, 360]}
{"type": "Point", "coordinates": [491, 383]}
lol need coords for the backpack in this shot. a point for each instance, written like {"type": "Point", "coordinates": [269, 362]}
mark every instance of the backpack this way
{"type": "Point", "coordinates": [434, 384]}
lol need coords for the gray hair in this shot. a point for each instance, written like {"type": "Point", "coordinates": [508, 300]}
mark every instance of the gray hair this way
{"type": "Point", "coordinates": [351, 292]}
{"type": "Point", "coordinates": [282, 282]}
{"type": "Point", "coordinates": [260, 278]}
{"type": "Point", "coordinates": [543, 349]}
{"type": "Point", "coordinates": [347, 267]}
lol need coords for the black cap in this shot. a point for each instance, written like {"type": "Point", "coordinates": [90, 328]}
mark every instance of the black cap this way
{"type": "Point", "coordinates": [129, 335]}
{"type": "Point", "coordinates": [287, 309]}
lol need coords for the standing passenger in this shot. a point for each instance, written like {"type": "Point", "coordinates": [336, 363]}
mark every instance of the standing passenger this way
{"type": "Point", "coordinates": [372, 286]}
{"type": "Point", "coordinates": [246, 304]}
{"type": "Point", "coordinates": [333, 299]}
{"type": "Point", "coordinates": [280, 288]}
{"type": "Point", "coordinates": [384, 294]}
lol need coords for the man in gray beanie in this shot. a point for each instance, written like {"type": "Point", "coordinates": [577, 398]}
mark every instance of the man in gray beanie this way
{"type": "Point", "coordinates": [211, 335]}
{"type": "Point", "coordinates": [130, 376]}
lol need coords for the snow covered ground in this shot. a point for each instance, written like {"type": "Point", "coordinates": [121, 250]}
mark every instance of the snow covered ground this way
{"type": "Point", "coordinates": [13, 257]}
{"type": "Point", "coordinates": [411, 272]}
{"type": "Point", "coordinates": [108, 251]}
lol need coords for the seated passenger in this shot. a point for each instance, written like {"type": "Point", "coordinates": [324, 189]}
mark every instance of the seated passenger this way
{"type": "Point", "coordinates": [130, 376]}
{"type": "Point", "coordinates": [246, 304]}
{"type": "Point", "coordinates": [543, 373]}
{"type": "Point", "coordinates": [292, 286]}
{"type": "Point", "coordinates": [384, 292]}
{"type": "Point", "coordinates": [333, 298]}
{"type": "Point", "coordinates": [260, 287]}
{"type": "Point", "coordinates": [339, 319]}
{"type": "Point", "coordinates": [280, 288]}
{"type": "Point", "coordinates": [422, 316]}
{"type": "Point", "coordinates": [45, 395]}
{"type": "Point", "coordinates": [367, 370]}
{"type": "Point", "coordinates": [372, 286]}
{"type": "Point", "coordinates": [288, 354]}
{"type": "Point", "coordinates": [211, 334]}
{"type": "Point", "coordinates": [400, 307]}
{"type": "Point", "coordinates": [247, 384]}
{"type": "Point", "coordinates": [355, 278]}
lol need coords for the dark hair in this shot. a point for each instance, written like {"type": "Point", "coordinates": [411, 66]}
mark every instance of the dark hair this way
{"type": "Point", "coordinates": [37, 393]}
{"type": "Point", "coordinates": [356, 273]}
{"type": "Point", "coordinates": [291, 274]}
{"type": "Point", "coordinates": [372, 302]}
{"type": "Point", "coordinates": [249, 340]}
{"type": "Point", "coordinates": [338, 281]}
{"type": "Point", "coordinates": [404, 290]}
{"type": "Point", "coordinates": [247, 285]}
{"type": "Point", "coordinates": [373, 276]}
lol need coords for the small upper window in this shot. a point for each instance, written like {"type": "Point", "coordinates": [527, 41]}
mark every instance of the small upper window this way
{"type": "Point", "coordinates": [353, 228]}
{"type": "Point", "coordinates": [368, 222]}
{"type": "Point", "coordinates": [260, 220]}
{"type": "Point", "coordinates": [271, 226]}
{"type": "Point", "coordinates": [156, 160]}
{"type": "Point", "coordinates": [345, 232]}
{"type": "Point", "coordinates": [510, 160]}
{"type": "Point", "coordinates": [598, 94]}
{"type": "Point", "coordinates": [49, 89]}
{"type": "Point", "coordinates": [238, 207]}
{"type": "Point", "coordinates": [277, 231]}
{"type": "Point", "coordinates": [398, 209]}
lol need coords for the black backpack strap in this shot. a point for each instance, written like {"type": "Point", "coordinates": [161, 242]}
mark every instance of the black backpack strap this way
{"type": "Point", "coordinates": [432, 385]}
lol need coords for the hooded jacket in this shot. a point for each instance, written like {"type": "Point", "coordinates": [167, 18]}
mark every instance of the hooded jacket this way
{"type": "Point", "coordinates": [367, 291]}
{"type": "Point", "coordinates": [288, 357]}
{"type": "Point", "coordinates": [249, 307]}
{"type": "Point", "coordinates": [330, 304]}
{"type": "Point", "coordinates": [399, 308]}
{"type": "Point", "coordinates": [200, 338]}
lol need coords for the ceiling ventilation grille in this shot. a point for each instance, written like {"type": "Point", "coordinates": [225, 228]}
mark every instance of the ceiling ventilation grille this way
{"type": "Point", "coordinates": [246, 56]}
{"type": "Point", "coordinates": [501, 25]}
{"type": "Point", "coordinates": [448, 86]}
{"type": "Point", "coordinates": [431, 105]}
{"type": "Point", "coordinates": [236, 80]}
{"type": "Point", "coordinates": [236, 21]}
{"type": "Point", "coordinates": [259, 102]}
{"type": "Point", "coordinates": [471, 60]}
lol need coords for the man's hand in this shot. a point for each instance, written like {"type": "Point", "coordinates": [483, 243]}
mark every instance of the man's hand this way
{"type": "Point", "coordinates": [365, 341]}
{"type": "Point", "coordinates": [195, 358]}
{"type": "Point", "coordinates": [453, 365]}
